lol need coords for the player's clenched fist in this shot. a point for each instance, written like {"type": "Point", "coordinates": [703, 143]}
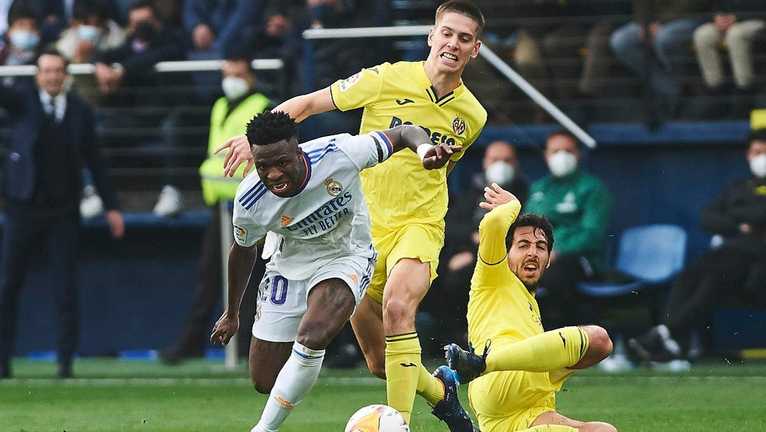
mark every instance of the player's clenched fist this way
{"type": "Point", "coordinates": [436, 156]}
{"type": "Point", "coordinates": [224, 329]}
{"type": "Point", "coordinates": [495, 196]}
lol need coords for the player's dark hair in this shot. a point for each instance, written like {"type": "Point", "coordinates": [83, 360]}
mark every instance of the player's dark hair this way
{"type": "Point", "coordinates": [531, 220]}
{"type": "Point", "coordinates": [463, 7]}
{"type": "Point", "coordinates": [564, 133]}
{"type": "Point", "coordinates": [269, 127]}
{"type": "Point", "coordinates": [756, 135]}
{"type": "Point", "coordinates": [51, 51]}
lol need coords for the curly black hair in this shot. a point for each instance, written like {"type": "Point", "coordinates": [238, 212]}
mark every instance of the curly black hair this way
{"type": "Point", "coordinates": [271, 126]}
{"type": "Point", "coordinates": [531, 220]}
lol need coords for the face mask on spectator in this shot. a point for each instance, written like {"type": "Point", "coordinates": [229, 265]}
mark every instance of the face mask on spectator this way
{"type": "Point", "coordinates": [758, 165]}
{"type": "Point", "coordinates": [499, 172]}
{"type": "Point", "coordinates": [562, 163]}
{"type": "Point", "coordinates": [234, 87]}
{"type": "Point", "coordinates": [24, 40]}
{"type": "Point", "coordinates": [89, 33]}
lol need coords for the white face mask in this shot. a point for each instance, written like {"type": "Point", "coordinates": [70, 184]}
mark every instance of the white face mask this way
{"type": "Point", "coordinates": [89, 33]}
{"type": "Point", "coordinates": [24, 40]}
{"type": "Point", "coordinates": [234, 87]}
{"type": "Point", "coordinates": [562, 163]}
{"type": "Point", "coordinates": [758, 165]}
{"type": "Point", "coordinates": [499, 172]}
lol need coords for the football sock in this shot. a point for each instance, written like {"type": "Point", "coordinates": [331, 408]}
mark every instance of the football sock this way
{"type": "Point", "coordinates": [430, 387]}
{"type": "Point", "coordinates": [294, 381]}
{"type": "Point", "coordinates": [403, 366]}
{"type": "Point", "coordinates": [550, 428]}
{"type": "Point", "coordinates": [549, 351]}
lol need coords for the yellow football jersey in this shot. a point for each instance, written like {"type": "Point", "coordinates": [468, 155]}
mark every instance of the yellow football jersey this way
{"type": "Point", "coordinates": [500, 308]}
{"type": "Point", "coordinates": [399, 191]}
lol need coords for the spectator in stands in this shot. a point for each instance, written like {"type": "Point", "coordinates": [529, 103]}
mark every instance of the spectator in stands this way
{"type": "Point", "coordinates": [134, 84]}
{"type": "Point", "coordinates": [501, 166]}
{"type": "Point", "coordinates": [90, 33]}
{"type": "Point", "coordinates": [52, 136]}
{"type": "Point", "coordinates": [215, 25]}
{"type": "Point", "coordinates": [732, 271]}
{"type": "Point", "coordinates": [228, 118]}
{"type": "Point", "coordinates": [663, 28]}
{"type": "Point", "coordinates": [22, 40]}
{"type": "Point", "coordinates": [578, 205]}
{"type": "Point", "coordinates": [734, 27]}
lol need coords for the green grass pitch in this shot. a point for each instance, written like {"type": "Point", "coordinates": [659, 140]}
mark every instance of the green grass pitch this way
{"type": "Point", "coordinates": [111, 395]}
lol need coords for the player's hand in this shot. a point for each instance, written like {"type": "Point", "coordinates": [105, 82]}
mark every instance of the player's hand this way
{"type": "Point", "coordinates": [239, 152]}
{"type": "Point", "coordinates": [438, 156]}
{"type": "Point", "coordinates": [224, 329]}
{"type": "Point", "coordinates": [495, 196]}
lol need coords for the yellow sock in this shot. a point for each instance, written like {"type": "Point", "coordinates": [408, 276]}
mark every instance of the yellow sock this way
{"type": "Point", "coordinates": [403, 366]}
{"type": "Point", "coordinates": [430, 387]}
{"type": "Point", "coordinates": [550, 428]}
{"type": "Point", "coordinates": [550, 351]}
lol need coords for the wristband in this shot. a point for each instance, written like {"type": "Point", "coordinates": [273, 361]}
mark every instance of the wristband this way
{"type": "Point", "coordinates": [423, 149]}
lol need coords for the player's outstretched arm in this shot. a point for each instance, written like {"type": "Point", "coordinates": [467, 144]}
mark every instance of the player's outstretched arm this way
{"type": "Point", "coordinates": [241, 261]}
{"type": "Point", "coordinates": [417, 139]}
{"type": "Point", "coordinates": [299, 108]}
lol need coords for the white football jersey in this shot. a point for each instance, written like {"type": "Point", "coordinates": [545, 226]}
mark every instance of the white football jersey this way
{"type": "Point", "coordinates": [327, 218]}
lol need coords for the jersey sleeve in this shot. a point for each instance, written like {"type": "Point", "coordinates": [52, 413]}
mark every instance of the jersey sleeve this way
{"type": "Point", "coordinates": [359, 89]}
{"type": "Point", "coordinates": [246, 231]}
{"type": "Point", "coordinates": [367, 150]}
{"type": "Point", "coordinates": [492, 231]}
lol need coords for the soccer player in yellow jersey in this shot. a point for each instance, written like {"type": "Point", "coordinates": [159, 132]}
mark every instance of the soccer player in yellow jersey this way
{"type": "Point", "coordinates": [407, 222]}
{"type": "Point", "coordinates": [514, 381]}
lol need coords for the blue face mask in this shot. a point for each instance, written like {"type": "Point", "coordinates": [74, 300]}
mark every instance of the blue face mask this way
{"type": "Point", "coordinates": [24, 40]}
{"type": "Point", "coordinates": [89, 33]}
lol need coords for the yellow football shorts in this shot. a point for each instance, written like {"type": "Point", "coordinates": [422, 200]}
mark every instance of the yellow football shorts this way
{"type": "Point", "coordinates": [419, 241]}
{"type": "Point", "coordinates": [511, 400]}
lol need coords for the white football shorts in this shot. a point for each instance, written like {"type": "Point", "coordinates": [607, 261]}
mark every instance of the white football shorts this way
{"type": "Point", "coordinates": [281, 302]}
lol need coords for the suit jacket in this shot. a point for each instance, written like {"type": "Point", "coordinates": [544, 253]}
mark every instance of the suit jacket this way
{"type": "Point", "coordinates": [26, 117]}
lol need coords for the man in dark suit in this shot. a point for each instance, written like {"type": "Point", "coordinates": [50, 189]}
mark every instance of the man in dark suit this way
{"type": "Point", "coordinates": [52, 137]}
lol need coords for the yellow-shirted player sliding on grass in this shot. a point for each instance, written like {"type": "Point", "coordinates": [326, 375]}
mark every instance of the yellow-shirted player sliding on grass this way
{"type": "Point", "coordinates": [514, 381]}
{"type": "Point", "coordinates": [407, 221]}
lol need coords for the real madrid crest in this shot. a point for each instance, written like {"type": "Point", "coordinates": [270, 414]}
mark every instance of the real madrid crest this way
{"type": "Point", "coordinates": [285, 220]}
{"type": "Point", "coordinates": [334, 188]}
{"type": "Point", "coordinates": [458, 126]}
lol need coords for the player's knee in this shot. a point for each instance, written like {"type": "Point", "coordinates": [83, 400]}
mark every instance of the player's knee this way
{"type": "Point", "coordinates": [600, 344]}
{"type": "Point", "coordinates": [314, 335]}
{"type": "Point", "coordinates": [601, 427]}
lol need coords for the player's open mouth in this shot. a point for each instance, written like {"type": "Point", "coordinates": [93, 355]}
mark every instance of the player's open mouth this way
{"type": "Point", "coordinates": [449, 56]}
{"type": "Point", "coordinates": [280, 187]}
{"type": "Point", "coordinates": [530, 266]}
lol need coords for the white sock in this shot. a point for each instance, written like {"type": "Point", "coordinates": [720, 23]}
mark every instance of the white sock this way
{"type": "Point", "coordinates": [294, 381]}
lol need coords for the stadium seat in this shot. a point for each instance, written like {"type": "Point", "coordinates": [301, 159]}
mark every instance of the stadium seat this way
{"type": "Point", "coordinates": [650, 254]}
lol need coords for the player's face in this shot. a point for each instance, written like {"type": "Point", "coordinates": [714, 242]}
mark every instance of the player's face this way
{"type": "Point", "coordinates": [529, 255]}
{"type": "Point", "coordinates": [281, 166]}
{"type": "Point", "coordinates": [453, 42]}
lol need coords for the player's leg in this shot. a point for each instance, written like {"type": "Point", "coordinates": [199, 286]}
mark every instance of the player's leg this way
{"type": "Point", "coordinates": [266, 360]}
{"type": "Point", "coordinates": [367, 323]}
{"type": "Point", "coordinates": [567, 347]}
{"type": "Point", "coordinates": [407, 284]}
{"type": "Point", "coordinates": [552, 421]}
{"type": "Point", "coordinates": [329, 305]}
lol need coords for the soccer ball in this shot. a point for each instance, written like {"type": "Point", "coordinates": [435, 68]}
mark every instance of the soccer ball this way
{"type": "Point", "coordinates": [377, 418]}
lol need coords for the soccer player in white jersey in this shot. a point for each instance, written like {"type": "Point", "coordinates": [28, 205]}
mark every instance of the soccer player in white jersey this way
{"type": "Point", "coordinates": [311, 195]}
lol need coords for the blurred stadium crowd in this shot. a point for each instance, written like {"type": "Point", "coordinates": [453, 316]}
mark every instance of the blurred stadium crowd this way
{"type": "Point", "coordinates": [600, 61]}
